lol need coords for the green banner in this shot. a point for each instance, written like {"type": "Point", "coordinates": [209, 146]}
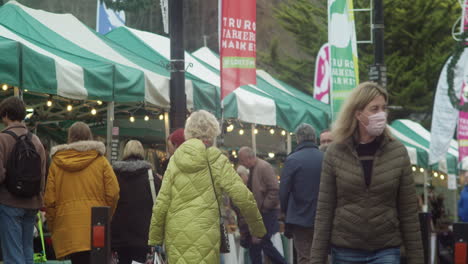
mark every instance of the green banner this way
{"type": "Point", "coordinates": [343, 52]}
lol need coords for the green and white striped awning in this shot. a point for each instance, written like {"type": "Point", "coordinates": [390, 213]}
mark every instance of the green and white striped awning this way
{"type": "Point", "coordinates": [417, 140]}
{"type": "Point", "coordinates": [71, 60]}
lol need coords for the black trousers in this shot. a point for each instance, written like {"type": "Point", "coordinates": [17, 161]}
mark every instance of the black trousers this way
{"type": "Point", "coordinates": [128, 254]}
{"type": "Point", "coordinates": [82, 257]}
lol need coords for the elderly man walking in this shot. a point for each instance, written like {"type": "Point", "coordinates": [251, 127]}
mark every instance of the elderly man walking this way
{"type": "Point", "coordinates": [264, 186]}
{"type": "Point", "coordinates": [299, 187]}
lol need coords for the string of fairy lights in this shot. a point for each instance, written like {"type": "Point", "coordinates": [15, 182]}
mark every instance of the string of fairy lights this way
{"type": "Point", "coordinates": [92, 105]}
{"type": "Point", "coordinates": [434, 173]}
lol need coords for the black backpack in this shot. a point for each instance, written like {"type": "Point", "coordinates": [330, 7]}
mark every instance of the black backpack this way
{"type": "Point", "coordinates": [23, 168]}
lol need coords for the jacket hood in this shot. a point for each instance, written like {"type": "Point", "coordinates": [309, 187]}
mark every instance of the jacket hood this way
{"type": "Point", "coordinates": [78, 155]}
{"type": "Point", "coordinates": [193, 156]}
{"type": "Point", "coordinates": [131, 165]}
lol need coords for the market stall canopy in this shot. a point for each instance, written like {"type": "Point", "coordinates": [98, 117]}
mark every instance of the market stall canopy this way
{"type": "Point", "coordinates": [132, 78]}
{"type": "Point", "coordinates": [157, 49]}
{"type": "Point", "coordinates": [255, 108]}
{"type": "Point", "coordinates": [414, 135]}
{"type": "Point", "coordinates": [291, 106]}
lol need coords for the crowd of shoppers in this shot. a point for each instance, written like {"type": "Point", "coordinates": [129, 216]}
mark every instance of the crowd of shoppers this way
{"type": "Point", "coordinates": [351, 197]}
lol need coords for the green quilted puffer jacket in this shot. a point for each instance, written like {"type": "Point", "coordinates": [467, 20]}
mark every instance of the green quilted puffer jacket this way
{"type": "Point", "coordinates": [185, 217]}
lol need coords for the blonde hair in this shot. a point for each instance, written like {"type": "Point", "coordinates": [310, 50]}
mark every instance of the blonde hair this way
{"type": "Point", "coordinates": [202, 125]}
{"type": "Point", "coordinates": [241, 170]}
{"type": "Point", "coordinates": [133, 148]}
{"type": "Point", "coordinates": [79, 131]}
{"type": "Point", "coordinates": [346, 125]}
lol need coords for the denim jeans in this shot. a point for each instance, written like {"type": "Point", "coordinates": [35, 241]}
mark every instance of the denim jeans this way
{"type": "Point", "coordinates": [16, 234]}
{"type": "Point", "coordinates": [355, 256]}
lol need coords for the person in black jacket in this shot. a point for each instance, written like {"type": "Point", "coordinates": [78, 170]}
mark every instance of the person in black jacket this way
{"type": "Point", "coordinates": [130, 224]}
{"type": "Point", "coordinates": [299, 187]}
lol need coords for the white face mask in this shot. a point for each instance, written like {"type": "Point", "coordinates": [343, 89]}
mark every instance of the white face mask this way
{"type": "Point", "coordinates": [377, 123]}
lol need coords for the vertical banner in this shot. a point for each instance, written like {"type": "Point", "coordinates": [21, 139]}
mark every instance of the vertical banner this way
{"type": "Point", "coordinates": [237, 44]}
{"type": "Point", "coordinates": [343, 52]}
{"type": "Point", "coordinates": [462, 132]}
{"type": "Point", "coordinates": [108, 19]}
{"type": "Point", "coordinates": [322, 80]}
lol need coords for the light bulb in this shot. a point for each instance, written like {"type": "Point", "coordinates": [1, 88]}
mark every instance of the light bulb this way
{"type": "Point", "coordinates": [230, 128]}
{"type": "Point", "coordinates": [442, 177]}
{"type": "Point", "coordinates": [25, 90]}
{"type": "Point", "coordinates": [146, 117]}
{"type": "Point", "coordinates": [93, 111]}
{"type": "Point", "coordinates": [271, 155]}
{"type": "Point", "coordinates": [161, 117]}
{"type": "Point", "coordinates": [283, 133]}
{"type": "Point", "coordinates": [99, 102]}
{"type": "Point", "coordinates": [69, 108]}
{"type": "Point", "coordinates": [132, 119]}
{"type": "Point", "coordinates": [421, 170]}
{"type": "Point", "coordinates": [436, 174]}
{"type": "Point", "coordinates": [414, 168]}
{"type": "Point", "coordinates": [241, 132]}
{"type": "Point", "coordinates": [5, 87]}
{"type": "Point", "coordinates": [255, 131]}
{"type": "Point", "coordinates": [49, 103]}
{"type": "Point", "coordinates": [234, 153]}
{"type": "Point", "coordinates": [272, 131]}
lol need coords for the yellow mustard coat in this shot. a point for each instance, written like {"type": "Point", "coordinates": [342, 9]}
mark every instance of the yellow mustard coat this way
{"type": "Point", "coordinates": [185, 216]}
{"type": "Point", "coordinates": [80, 177]}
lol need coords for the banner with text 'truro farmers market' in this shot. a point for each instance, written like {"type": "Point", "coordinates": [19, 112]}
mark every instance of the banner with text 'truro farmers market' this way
{"type": "Point", "coordinates": [343, 52]}
{"type": "Point", "coordinates": [237, 44]}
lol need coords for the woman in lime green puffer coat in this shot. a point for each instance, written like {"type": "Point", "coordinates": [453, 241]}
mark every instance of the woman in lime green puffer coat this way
{"type": "Point", "coordinates": [186, 217]}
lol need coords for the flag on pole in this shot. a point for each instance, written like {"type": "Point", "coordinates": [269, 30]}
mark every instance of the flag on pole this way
{"type": "Point", "coordinates": [462, 132]}
{"type": "Point", "coordinates": [343, 52]}
{"type": "Point", "coordinates": [322, 81]}
{"type": "Point", "coordinates": [237, 44]}
{"type": "Point", "coordinates": [108, 19]}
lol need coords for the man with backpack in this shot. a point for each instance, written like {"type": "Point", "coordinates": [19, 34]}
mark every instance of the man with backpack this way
{"type": "Point", "coordinates": [22, 181]}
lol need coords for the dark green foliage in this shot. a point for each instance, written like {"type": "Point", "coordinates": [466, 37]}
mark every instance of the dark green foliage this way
{"type": "Point", "coordinates": [128, 5]}
{"type": "Point", "coordinates": [307, 21]}
{"type": "Point", "coordinates": [418, 41]}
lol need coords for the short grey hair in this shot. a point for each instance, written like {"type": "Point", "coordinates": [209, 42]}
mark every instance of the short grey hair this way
{"type": "Point", "coordinates": [305, 132]}
{"type": "Point", "coordinates": [248, 151]}
{"type": "Point", "coordinates": [241, 170]}
{"type": "Point", "coordinates": [202, 125]}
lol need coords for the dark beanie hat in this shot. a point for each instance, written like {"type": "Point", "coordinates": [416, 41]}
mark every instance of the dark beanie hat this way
{"type": "Point", "coordinates": [177, 137]}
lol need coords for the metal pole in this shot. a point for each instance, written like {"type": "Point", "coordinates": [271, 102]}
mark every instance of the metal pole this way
{"type": "Point", "coordinates": [167, 128]}
{"type": "Point", "coordinates": [425, 206]}
{"type": "Point", "coordinates": [178, 98]}
{"type": "Point", "coordinates": [254, 138]}
{"type": "Point", "coordinates": [110, 126]}
{"type": "Point", "coordinates": [378, 70]}
{"type": "Point", "coordinates": [17, 92]}
{"type": "Point", "coordinates": [288, 143]}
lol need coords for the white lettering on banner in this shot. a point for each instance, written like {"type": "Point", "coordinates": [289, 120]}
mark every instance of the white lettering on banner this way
{"type": "Point", "coordinates": [244, 46]}
{"type": "Point", "coordinates": [237, 34]}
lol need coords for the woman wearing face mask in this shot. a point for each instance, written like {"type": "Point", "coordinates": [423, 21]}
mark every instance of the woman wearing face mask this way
{"type": "Point", "coordinates": [367, 202]}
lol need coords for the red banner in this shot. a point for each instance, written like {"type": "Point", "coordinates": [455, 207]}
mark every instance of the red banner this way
{"type": "Point", "coordinates": [238, 44]}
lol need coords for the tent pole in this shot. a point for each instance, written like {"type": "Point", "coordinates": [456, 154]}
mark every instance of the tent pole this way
{"type": "Point", "coordinates": [110, 125]}
{"type": "Point", "coordinates": [425, 206]}
{"type": "Point", "coordinates": [166, 125]}
{"type": "Point", "coordinates": [288, 143]}
{"type": "Point", "coordinates": [17, 92]}
{"type": "Point", "coordinates": [254, 138]}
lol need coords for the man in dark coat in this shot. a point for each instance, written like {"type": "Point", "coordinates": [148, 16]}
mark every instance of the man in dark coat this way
{"type": "Point", "coordinates": [299, 187]}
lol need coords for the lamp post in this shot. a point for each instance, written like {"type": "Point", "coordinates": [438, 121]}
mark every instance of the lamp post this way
{"type": "Point", "coordinates": [378, 71]}
{"type": "Point", "coordinates": [178, 111]}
